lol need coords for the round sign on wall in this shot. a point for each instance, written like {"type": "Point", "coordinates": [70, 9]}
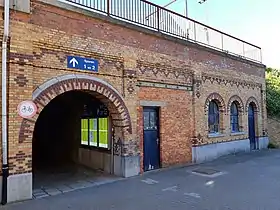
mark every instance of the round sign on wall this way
{"type": "Point", "coordinates": [27, 109]}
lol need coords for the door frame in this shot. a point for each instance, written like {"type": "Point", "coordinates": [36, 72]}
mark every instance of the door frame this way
{"type": "Point", "coordinates": [157, 109]}
{"type": "Point", "coordinates": [255, 117]}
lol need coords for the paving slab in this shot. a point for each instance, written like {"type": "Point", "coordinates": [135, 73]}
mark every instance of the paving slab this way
{"type": "Point", "coordinates": [52, 191]}
{"type": "Point", "coordinates": [64, 188]}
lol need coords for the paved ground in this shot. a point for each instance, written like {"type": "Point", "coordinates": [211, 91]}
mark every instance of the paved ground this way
{"type": "Point", "coordinates": [66, 179]}
{"type": "Point", "coordinates": [242, 182]}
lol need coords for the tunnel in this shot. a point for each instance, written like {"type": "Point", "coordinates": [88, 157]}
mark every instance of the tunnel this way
{"type": "Point", "coordinates": [72, 137]}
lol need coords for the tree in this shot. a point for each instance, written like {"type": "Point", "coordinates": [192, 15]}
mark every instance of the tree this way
{"type": "Point", "coordinates": [273, 92]}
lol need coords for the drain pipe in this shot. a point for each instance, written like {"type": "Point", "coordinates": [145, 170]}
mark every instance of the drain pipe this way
{"type": "Point", "coordinates": [5, 169]}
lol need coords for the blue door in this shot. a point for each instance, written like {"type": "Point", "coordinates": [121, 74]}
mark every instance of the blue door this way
{"type": "Point", "coordinates": [251, 127]}
{"type": "Point", "coordinates": [151, 139]}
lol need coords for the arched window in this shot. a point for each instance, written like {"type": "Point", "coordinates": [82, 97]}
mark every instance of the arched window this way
{"type": "Point", "coordinates": [234, 117]}
{"type": "Point", "coordinates": [213, 117]}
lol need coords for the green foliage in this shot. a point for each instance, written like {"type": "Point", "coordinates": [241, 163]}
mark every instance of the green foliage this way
{"type": "Point", "coordinates": [271, 146]}
{"type": "Point", "coordinates": [273, 92]}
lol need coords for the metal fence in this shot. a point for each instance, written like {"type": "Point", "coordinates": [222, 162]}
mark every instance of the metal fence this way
{"type": "Point", "coordinates": [152, 16]}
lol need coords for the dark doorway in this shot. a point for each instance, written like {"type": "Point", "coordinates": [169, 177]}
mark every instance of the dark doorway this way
{"type": "Point", "coordinates": [57, 133]}
{"type": "Point", "coordinates": [251, 126]}
{"type": "Point", "coordinates": [151, 139]}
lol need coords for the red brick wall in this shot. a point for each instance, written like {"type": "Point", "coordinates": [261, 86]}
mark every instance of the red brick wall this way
{"type": "Point", "coordinates": [176, 123]}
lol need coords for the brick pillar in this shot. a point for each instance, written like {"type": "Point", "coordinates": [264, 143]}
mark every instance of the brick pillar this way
{"type": "Point", "coordinates": [20, 88]}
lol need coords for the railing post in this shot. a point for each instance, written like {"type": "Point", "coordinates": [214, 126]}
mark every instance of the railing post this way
{"type": "Point", "coordinates": [222, 41]}
{"type": "Point", "coordinates": [158, 22]}
{"type": "Point", "coordinates": [108, 7]}
{"type": "Point", "coordinates": [243, 49]}
{"type": "Point", "coordinates": [194, 30]}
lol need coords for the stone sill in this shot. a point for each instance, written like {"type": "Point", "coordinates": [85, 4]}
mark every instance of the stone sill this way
{"type": "Point", "coordinates": [216, 135]}
{"type": "Point", "coordinates": [237, 133]}
{"type": "Point", "coordinates": [19, 5]}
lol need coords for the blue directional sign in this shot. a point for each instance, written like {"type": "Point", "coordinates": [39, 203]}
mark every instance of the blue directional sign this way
{"type": "Point", "coordinates": [81, 63]}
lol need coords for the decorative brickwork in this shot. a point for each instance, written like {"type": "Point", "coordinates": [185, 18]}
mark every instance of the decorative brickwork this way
{"type": "Point", "coordinates": [252, 100]}
{"type": "Point", "coordinates": [20, 163]}
{"type": "Point", "coordinates": [220, 80]}
{"type": "Point", "coordinates": [44, 94]}
{"type": "Point", "coordinates": [264, 111]}
{"type": "Point", "coordinates": [130, 74]}
{"type": "Point", "coordinates": [26, 130]}
{"type": "Point", "coordinates": [217, 98]}
{"type": "Point", "coordinates": [197, 85]}
{"type": "Point", "coordinates": [197, 140]}
{"type": "Point", "coordinates": [152, 71]}
{"type": "Point", "coordinates": [20, 58]}
{"type": "Point", "coordinates": [238, 101]}
{"type": "Point", "coordinates": [21, 80]}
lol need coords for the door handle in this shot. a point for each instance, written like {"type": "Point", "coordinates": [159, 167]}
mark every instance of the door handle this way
{"type": "Point", "coordinates": [157, 140]}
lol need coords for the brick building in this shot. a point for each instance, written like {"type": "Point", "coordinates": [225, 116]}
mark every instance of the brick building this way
{"type": "Point", "coordinates": [157, 97]}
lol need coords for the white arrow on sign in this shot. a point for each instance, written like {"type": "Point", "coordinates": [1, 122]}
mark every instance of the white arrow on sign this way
{"type": "Point", "coordinates": [73, 61]}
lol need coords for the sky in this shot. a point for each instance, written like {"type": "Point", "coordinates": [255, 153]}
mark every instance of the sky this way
{"type": "Point", "coordinates": [255, 21]}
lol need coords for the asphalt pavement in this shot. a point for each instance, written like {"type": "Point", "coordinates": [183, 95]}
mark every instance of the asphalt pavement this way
{"type": "Point", "coordinates": [248, 181]}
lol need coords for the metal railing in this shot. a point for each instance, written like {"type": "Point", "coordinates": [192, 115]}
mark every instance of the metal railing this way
{"type": "Point", "coordinates": [155, 17]}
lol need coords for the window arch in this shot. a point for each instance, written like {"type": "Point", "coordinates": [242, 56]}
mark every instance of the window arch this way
{"type": "Point", "coordinates": [213, 117]}
{"type": "Point", "coordinates": [253, 101]}
{"type": "Point", "coordinates": [218, 99]}
{"type": "Point", "coordinates": [238, 101]}
{"type": "Point", "coordinates": [234, 117]}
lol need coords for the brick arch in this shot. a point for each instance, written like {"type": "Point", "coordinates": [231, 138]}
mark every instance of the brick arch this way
{"type": "Point", "coordinates": [218, 99]}
{"type": "Point", "coordinates": [255, 103]}
{"type": "Point", "coordinates": [61, 84]}
{"type": "Point", "coordinates": [239, 103]}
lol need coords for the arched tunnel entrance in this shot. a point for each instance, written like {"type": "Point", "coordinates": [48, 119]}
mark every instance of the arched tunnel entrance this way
{"type": "Point", "coordinates": [72, 140]}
